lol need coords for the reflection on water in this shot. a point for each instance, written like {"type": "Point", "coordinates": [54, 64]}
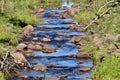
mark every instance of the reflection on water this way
{"type": "Point", "coordinates": [68, 3]}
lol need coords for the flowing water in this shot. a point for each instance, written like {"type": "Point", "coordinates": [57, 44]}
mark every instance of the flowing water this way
{"type": "Point", "coordinates": [67, 65]}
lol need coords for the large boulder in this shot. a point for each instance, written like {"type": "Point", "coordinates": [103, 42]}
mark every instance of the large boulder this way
{"type": "Point", "coordinates": [27, 30]}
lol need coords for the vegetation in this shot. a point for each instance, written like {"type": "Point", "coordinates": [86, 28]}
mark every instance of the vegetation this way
{"type": "Point", "coordinates": [103, 41]}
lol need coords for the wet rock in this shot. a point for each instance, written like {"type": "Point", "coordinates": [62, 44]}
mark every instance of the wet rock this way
{"type": "Point", "coordinates": [82, 55]}
{"type": "Point", "coordinates": [63, 16]}
{"type": "Point", "coordinates": [48, 49]}
{"type": "Point", "coordinates": [45, 40]}
{"type": "Point", "coordinates": [27, 30]}
{"type": "Point", "coordinates": [72, 27]}
{"type": "Point", "coordinates": [52, 78]}
{"type": "Point", "coordinates": [85, 79]}
{"type": "Point", "coordinates": [35, 39]}
{"type": "Point", "coordinates": [19, 58]}
{"type": "Point", "coordinates": [39, 67]}
{"type": "Point", "coordinates": [21, 47]}
{"type": "Point", "coordinates": [31, 46]}
{"type": "Point", "coordinates": [76, 39]}
{"type": "Point", "coordinates": [52, 64]}
{"type": "Point", "coordinates": [38, 47]}
{"type": "Point", "coordinates": [84, 69]}
{"type": "Point", "coordinates": [80, 62]}
{"type": "Point", "coordinates": [34, 46]}
{"type": "Point", "coordinates": [28, 51]}
{"type": "Point", "coordinates": [23, 76]}
{"type": "Point", "coordinates": [63, 34]}
{"type": "Point", "coordinates": [63, 76]}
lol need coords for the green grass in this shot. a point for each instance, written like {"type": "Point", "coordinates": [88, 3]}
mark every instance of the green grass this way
{"type": "Point", "coordinates": [109, 69]}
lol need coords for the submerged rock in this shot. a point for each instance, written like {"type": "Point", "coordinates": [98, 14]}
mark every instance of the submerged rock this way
{"type": "Point", "coordinates": [39, 67]}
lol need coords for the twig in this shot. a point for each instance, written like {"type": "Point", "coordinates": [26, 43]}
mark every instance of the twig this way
{"type": "Point", "coordinates": [100, 14]}
{"type": "Point", "coordinates": [105, 5]}
{"type": "Point", "coordinates": [97, 18]}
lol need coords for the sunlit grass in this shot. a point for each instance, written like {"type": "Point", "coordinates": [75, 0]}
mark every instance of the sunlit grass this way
{"type": "Point", "coordinates": [109, 69]}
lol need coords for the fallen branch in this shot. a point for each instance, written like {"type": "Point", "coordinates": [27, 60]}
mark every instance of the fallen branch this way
{"type": "Point", "coordinates": [100, 15]}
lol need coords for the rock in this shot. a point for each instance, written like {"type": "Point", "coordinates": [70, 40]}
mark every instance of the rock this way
{"type": "Point", "coordinates": [23, 76]}
{"type": "Point", "coordinates": [31, 46]}
{"type": "Point", "coordinates": [63, 76]}
{"type": "Point", "coordinates": [27, 30]}
{"type": "Point", "coordinates": [38, 47]}
{"type": "Point", "coordinates": [19, 58]}
{"type": "Point", "coordinates": [21, 47]}
{"type": "Point", "coordinates": [29, 51]}
{"type": "Point", "coordinates": [35, 39]}
{"type": "Point", "coordinates": [45, 40]}
{"type": "Point", "coordinates": [34, 47]}
{"type": "Point", "coordinates": [48, 49]}
{"type": "Point", "coordinates": [63, 16]}
{"type": "Point", "coordinates": [84, 69]}
{"type": "Point", "coordinates": [52, 64]}
{"type": "Point", "coordinates": [63, 34]}
{"type": "Point", "coordinates": [73, 11]}
{"type": "Point", "coordinates": [85, 79]}
{"type": "Point", "coordinates": [76, 39]}
{"type": "Point", "coordinates": [39, 67]}
{"type": "Point", "coordinates": [80, 62]}
{"type": "Point", "coordinates": [97, 42]}
{"type": "Point", "coordinates": [83, 55]}
{"type": "Point", "coordinates": [79, 29]}
{"type": "Point", "coordinates": [112, 37]}
{"type": "Point", "coordinates": [52, 78]}
{"type": "Point", "coordinates": [72, 27]}
{"type": "Point", "coordinates": [40, 10]}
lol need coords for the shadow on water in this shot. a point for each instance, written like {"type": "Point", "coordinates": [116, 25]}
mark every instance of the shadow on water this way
{"type": "Point", "coordinates": [65, 64]}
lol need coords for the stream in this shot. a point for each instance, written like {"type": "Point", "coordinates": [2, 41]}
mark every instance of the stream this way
{"type": "Point", "coordinates": [53, 25]}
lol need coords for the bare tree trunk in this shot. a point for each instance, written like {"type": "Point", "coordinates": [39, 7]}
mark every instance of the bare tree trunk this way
{"type": "Point", "coordinates": [2, 6]}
